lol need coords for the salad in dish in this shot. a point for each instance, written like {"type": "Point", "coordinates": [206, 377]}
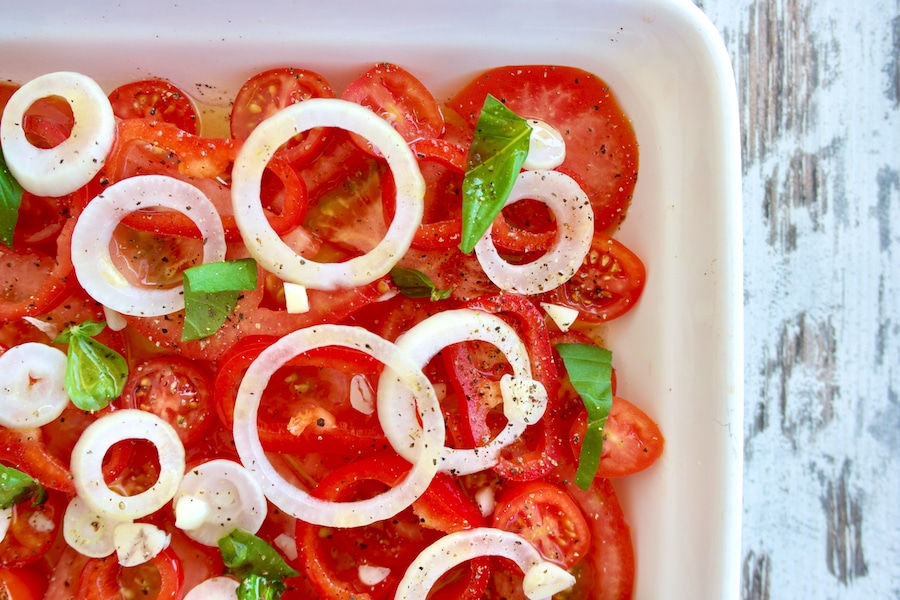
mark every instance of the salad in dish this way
{"type": "Point", "coordinates": [349, 350]}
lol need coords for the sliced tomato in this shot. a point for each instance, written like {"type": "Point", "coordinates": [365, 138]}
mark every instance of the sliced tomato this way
{"type": "Point", "coordinates": [400, 98]}
{"type": "Point", "coordinates": [266, 93]}
{"type": "Point", "coordinates": [176, 389]}
{"type": "Point", "coordinates": [32, 530]}
{"type": "Point", "coordinates": [333, 560]}
{"type": "Point", "coordinates": [25, 583]}
{"type": "Point", "coordinates": [155, 99]}
{"type": "Point", "coordinates": [547, 516]}
{"type": "Point", "coordinates": [25, 450]}
{"type": "Point", "coordinates": [601, 147]}
{"type": "Point", "coordinates": [608, 283]}
{"type": "Point", "coordinates": [632, 441]}
{"type": "Point", "coordinates": [104, 579]}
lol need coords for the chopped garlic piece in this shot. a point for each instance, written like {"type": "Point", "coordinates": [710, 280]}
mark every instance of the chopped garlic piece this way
{"type": "Point", "coordinates": [563, 316]}
{"type": "Point", "coordinates": [190, 512]}
{"type": "Point", "coordinates": [545, 579]}
{"type": "Point", "coordinates": [296, 298]}
{"type": "Point", "coordinates": [362, 396]}
{"type": "Point", "coordinates": [136, 543]}
{"type": "Point", "coordinates": [371, 575]}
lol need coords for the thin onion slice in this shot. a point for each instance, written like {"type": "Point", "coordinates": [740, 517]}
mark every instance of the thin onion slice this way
{"type": "Point", "coordinates": [426, 440]}
{"type": "Point", "coordinates": [396, 406]}
{"type": "Point", "coordinates": [88, 531]}
{"type": "Point", "coordinates": [71, 164]}
{"type": "Point", "coordinates": [270, 250]}
{"type": "Point", "coordinates": [32, 385]}
{"type": "Point", "coordinates": [542, 578]}
{"type": "Point", "coordinates": [233, 497]}
{"type": "Point", "coordinates": [220, 587]}
{"type": "Point", "coordinates": [95, 226]}
{"type": "Point", "coordinates": [575, 229]}
{"type": "Point", "coordinates": [100, 436]}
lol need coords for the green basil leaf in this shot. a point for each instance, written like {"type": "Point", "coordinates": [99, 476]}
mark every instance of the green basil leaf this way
{"type": "Point", "coordinates": [416, 284]}
{"type": "Point", "coordinates": [246, 554]}
{"type": "Point", "coordinates": [254, 587]}
{"type": "Point", "coordinates": [589, 368]}
{"type": "Point", "coordinates": [495, 159]}
{"type": "Point", "coordinates": [95, 373]}
{"type": "Point", "coordinates": [10, 201]}
{"type": "Point", "coordinates": [211, 292]}
{"type": "Point", "coordinates": [16, 487]}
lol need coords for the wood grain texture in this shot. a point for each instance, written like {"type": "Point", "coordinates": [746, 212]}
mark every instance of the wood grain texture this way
{"type": "Point", "coordinates": [818, 83]}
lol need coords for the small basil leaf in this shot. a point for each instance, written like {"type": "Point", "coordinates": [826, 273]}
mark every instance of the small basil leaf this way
{"type": "Point", "coordinates": [416, 284]}
{"type": "Point", "coordinates": [255, 587]}
{"type": "Point", "coordinates": [246, 554]}
{"type": "Point", "coordinates": [496, 155]}
{"type": "Point", "coordinates": [589, 369]}
{"type": "Point", "coordinates": [10, 202]}
{"type": "Point", "coordinates": [211, 292]}
{"type": "Point", "coordinates": [16, 487]}
{"type": "Point", "coordinates": [95, 373]}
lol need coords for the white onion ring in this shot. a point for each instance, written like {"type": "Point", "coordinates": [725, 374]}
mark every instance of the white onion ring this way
{"type": "Point", "coordinates": [268, 248]}
{"type": "Point", "coordinates": [32, 385]}
{"type": "Point", "coordinates": [575, 229]}
{"type": "Point", "coordinates": [66, 167]}
{"type": "Point", "coordinates": [235, 498]}
{"type": "Point", "coordinates": [94, 229]}
{"type": "Point", "coordinates": [542, 578]}
{"type": "Point", "coordinates": [88, 531]}
{"type": "Point", "coordinates": [396, 406]}
{"type": "Point", "coordinates": [427, 440]}
{"type": "Point", "coordinates": [100, 436]}
{"type": "Point", "coordinates": [221, 587]}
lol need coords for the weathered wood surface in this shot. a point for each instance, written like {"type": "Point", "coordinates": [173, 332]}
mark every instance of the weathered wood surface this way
{"type": "Point", "coordinates": [819, 91]}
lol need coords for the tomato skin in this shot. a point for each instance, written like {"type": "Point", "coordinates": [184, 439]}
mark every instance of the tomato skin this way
{"type": "Point", "coordinates": [176, 389]}
{"type": "Point", "coordinates": [546, 515]}
{"type": "Point", "coordinates": [99, 579]}
{"type": "Point", "coordinates": [26, 583]}
{"type": "Point", "coordinates": [607, 285]}
{"type": "Point", "coordinates": [32, 531]}
{"type": "Point", "coordinates": [400, 98]}
{"type": "Point", "coordinates": [155, 99]}
{"type": "Point", "coordinates": [601, 147]}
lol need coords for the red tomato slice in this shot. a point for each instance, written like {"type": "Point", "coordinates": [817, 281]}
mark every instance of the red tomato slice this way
{"type": "Point", "coordinates": [32, 530]}
{"type": "Point", "coordinates": [26, 583]}
{"type": "Point", "coordinates": [176, 389]}
{"type": "Point", "coordinates": [632, 441]}
{"type": "Point", "coordinates": [608, 283]}
{"type": "Point", "coordinates": [25, 450]}
{"type": "Point", "coordinates": [547, 516]}
{"type": "Point", "coordinates": [104, 579]}
{"type": "Point", "coordinates": [266, 93]}
{"type": "Point", "coordinates": [601, 148]}
{"type": "Point", "coordinates": [400, 98]}
{"type": "Point", "coordinates": [158, 100]}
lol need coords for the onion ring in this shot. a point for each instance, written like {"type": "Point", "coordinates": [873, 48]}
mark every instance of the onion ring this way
{"type": "Point", "coordinates": [100, 436]}
{"type": "Point", "coordinates": [575, 230]}
{"type": "Point", "coordinates": [95, 226]}
{"type": "Point", "coordinates": [427, 440]}
{"type": "Point", "coordinates": [267, 247]}
{"type": "Point", "coordinates": [66, 167]}
{"type": "Point", "coordinates": [542, 578]}
{"type": "Point", "coordinates": [396, 406]}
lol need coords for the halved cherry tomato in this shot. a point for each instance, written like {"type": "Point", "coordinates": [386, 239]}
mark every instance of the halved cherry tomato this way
{"type": "Point", "coordinates": [48, 122]}
{"type": "Point", "coordinates": [104, 579]}
{"type": "Point", "coordinates": [333, 556]}
{"type": "Point", "coordinates": [608, 283]}
{"type": "Point", "coordinates": [26, 583]}
{"type": "Point", "coordinates": [400, 98]}
{"type": "Point", "coordinates": [601, 148]}
{"type": "Point", "coordinates": [176, 389]}
{"type": "Point", "coordinates": [268, 92]}
{"type": "Point", "coordinates": [547, 516]}
{"type": "Point", "coordinates": [155, 99]}
{"type": "Point", "coordinates": [632, 441]}
{"type": "Point", "coordinates": [32, 530]}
